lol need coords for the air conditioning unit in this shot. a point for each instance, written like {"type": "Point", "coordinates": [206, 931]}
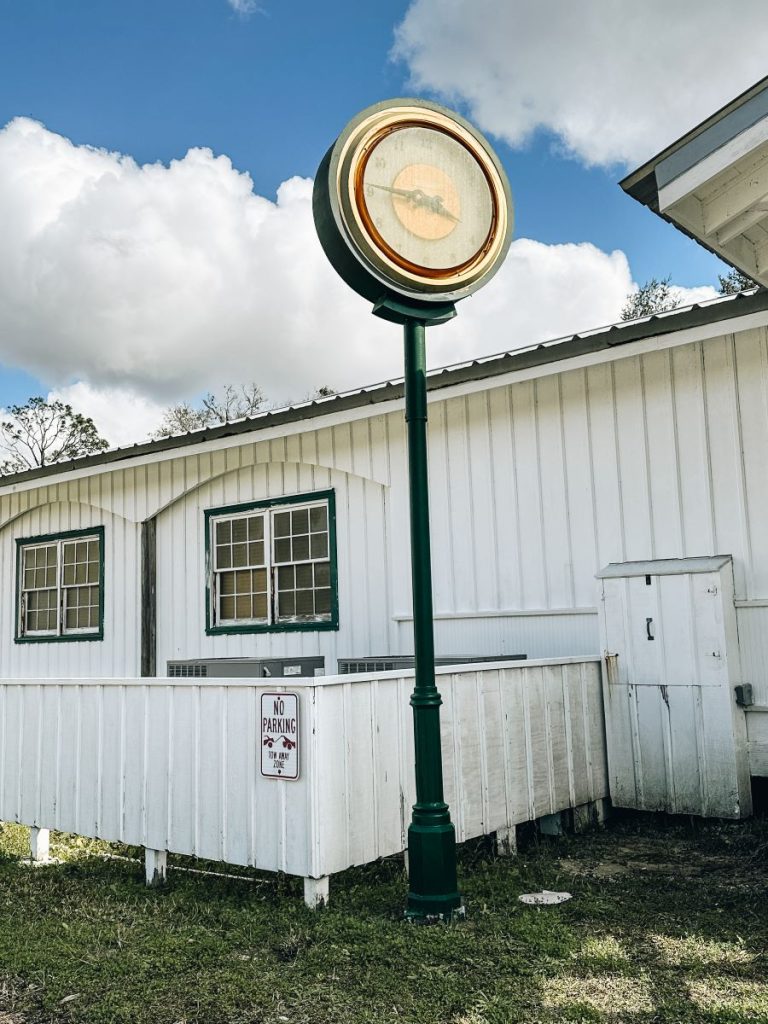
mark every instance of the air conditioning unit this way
{"type": "Point", "coordinates": [395, 662]}
{"type": "Point", "coordinates": [246, 668]}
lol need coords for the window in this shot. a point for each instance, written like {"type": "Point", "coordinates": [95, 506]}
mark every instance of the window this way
{"type": "Point", "coordinates": [60, 589]}
{"type": "Point", "coordinates": [272, 565]}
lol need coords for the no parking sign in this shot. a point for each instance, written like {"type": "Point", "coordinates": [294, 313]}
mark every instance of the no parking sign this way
{"type": "Point", "coordinates": [280, 735]}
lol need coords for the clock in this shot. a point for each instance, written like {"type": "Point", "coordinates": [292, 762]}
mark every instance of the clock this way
{"type": "Point", "coordinates": [412, 204]}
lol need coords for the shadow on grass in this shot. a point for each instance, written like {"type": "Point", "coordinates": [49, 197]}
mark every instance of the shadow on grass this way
{"type": "Point", "coordinates": [666, 925]}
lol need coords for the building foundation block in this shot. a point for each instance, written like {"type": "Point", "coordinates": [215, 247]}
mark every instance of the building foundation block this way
{"type": "Point", "coordinates": [155, 866]}
{"type": "Point", "coordinates": [506, 841]}
{"type": "Point", "coordinates": [317, 892]}
{"type": "Point", "coordinates": [39, 845]}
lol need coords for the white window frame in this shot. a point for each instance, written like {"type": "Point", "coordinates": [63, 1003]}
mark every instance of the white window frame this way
{"type": "Point", "coordinates": [267, 512]}
{"type": "Point", "coordinates": [61, 630]}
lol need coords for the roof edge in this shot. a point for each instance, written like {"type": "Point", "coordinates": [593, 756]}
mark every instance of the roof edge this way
{"type": "Point", "coordinates": [543, 354]}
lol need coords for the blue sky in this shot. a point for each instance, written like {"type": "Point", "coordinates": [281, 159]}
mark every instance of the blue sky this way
{"type": "Point", "coordinates": [271, 89]}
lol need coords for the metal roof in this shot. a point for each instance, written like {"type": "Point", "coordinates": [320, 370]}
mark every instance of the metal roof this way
{"type": "Point", "coordinates": [731, 136]}
{"type": "Point", "coordinates": [663, 567]}
{"type": "Point", "coordinates": [558, 349]}
{"type": "Point", "coordinates": [712, 133]}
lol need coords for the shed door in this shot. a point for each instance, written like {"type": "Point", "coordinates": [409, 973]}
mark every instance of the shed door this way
{"type": "Point", "coordinates": [675, 742]}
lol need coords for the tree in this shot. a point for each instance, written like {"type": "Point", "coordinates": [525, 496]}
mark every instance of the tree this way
{"type": "Point", "coordinates": [652, 297]}
{"type": "Point", "coordinates": [233, 402]}
{"type": "Point", "coordinates": [41, 432]}
{"type": "Point", "coordinates": [734, 281]}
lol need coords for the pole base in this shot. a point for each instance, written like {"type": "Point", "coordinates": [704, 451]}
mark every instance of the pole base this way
{"type": "Point", "coordinates": [433, 890]}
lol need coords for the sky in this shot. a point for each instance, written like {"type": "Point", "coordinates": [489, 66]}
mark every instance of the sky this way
{"type": "Point", "coordinates": [156, 165]}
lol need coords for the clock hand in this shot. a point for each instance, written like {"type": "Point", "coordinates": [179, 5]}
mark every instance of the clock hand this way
{"type": "Point", "coordinates": [419, 199]}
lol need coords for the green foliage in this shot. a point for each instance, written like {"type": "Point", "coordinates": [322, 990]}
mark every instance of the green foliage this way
{"type": "Point", "coordinates": [667, 925]}
{"type": "Point", "coordinates": [652, 297]}
{"type": "Point", "coordinates": [40, 433]}
{"type": "Point", "coordinates": [734, 281]}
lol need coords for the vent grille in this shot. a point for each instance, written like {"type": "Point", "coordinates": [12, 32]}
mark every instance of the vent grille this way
{"type": "Point", "coordinates": [180, 669]}
{"type": "Point", "coordinates": [406, 661]}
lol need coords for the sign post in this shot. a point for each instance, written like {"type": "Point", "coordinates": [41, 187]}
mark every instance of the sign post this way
{"type": "Point", "coordinates": [414, 211]}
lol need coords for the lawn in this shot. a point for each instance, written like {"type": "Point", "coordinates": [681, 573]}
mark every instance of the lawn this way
{"type": "Point", "coordinates": [668, 923]}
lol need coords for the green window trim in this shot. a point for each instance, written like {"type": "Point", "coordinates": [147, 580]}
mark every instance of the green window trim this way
{"type": "Point", "coordinates": [211, 515]}
{"type": "Point", "coordinates": [60, 637]}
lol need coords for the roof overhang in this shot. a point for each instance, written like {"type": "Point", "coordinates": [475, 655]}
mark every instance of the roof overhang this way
{"type": "Point", "coordinates": [713, 183]}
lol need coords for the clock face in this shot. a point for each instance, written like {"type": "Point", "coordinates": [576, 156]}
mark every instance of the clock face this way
{"type": "Point", "coordinates": [425, 200]}
{"type": "Point", "coordinates": [411, 202]}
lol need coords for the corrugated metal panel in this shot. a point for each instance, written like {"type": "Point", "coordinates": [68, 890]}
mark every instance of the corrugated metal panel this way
{"type": "Point", "coordinates": [535, 487]}
{"type": "Point", "coordinates": [175, 765]}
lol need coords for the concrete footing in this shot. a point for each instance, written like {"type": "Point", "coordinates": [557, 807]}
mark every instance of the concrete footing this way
{"type": "Point", "coordinates": [316, 892]}
{"type": "Point", "coordinates": [39, 845]}
{"type": "Point", "coordinates": [155, 866]}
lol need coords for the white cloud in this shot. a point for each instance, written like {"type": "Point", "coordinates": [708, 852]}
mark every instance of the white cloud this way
{"type": "Point", "coordinates": [127, 287]}
{"type": "Point", "coordinates": [121, 416]}
{"type": "Point", "coordinates": [244, 7]}
{"type": "Point", "coordinates": [615, 81]}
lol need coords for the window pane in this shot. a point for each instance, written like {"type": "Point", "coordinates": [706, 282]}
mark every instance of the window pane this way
{"type": "Point", "coordinates": [239, 555]}
{"type": "Point", "coordinates": [40, 577]}
{"type": "Point", "coordinates": [243, 607]}
{"type": "Point", "coordinates": [305, 604]}
{"type": "Point", "coordinates": [68, 575]}
{"type": "Point", "coordinates": [282, 550]}
{"type": "Point", "coordinates": [224, 532]}
{"type": "Point", "coordinates": [256, 553]}
{"type": "Point", "coordinates": [239, 530]}
{"type": "Point", "coordinates": [256, 528]}
{"type": "Point", "coordinates": [304, 576]}
{"type": "Point", "coordinates": [287, 604]}
{"type": "Point", "coordinates": [223, 557]}
{"type": "Point", "coordinates": [259, 581]}
{"type": "Point", "coordinates": [300, 521]}
{"type": "Point", "coordinates": [81, 572]}
{"type": "Point", "coordinates": [227, 583]}
{"type": "Point", "coordinates": [323, 602]}
{"type": "Point", "coordinates": [319, 546]}
{"type": "Point", "coordinates": [81, 551]}
{"type": "Point", "coordinates": [227, 607]}
{"type": "Point", "coordinates": [260, 606]}
{"type": "Point", "coordinates": [300, 548]}
{"type": "Point", "coordinates": [29, 579]}
{"type": "Point", "coordinates": [318, 519]}
{"type": "Point", "coordinates": [285, 578]}
{"type": "Point", "coordinates": [48, 556]}
{"type": "Point", "coordinates": [323, 574]}
{"type": "Point", "coordinates": [93, 572]}
{"type": "Point", "coordinates": [282, 524]}
{"type": "Point", "coordinates": [242, 582]}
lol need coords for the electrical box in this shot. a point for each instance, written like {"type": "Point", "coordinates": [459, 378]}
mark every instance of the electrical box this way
{"type": "Point", "coordinates": [247, 668]}
{"type": "Point", "coordinates": [675, 735]}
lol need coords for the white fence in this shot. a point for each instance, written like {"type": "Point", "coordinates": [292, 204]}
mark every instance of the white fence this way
{"type": "Point", "coordinates": [174, 765]}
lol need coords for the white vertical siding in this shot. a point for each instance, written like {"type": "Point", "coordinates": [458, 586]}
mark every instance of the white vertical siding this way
{"type": "Point", "coordinates": [535, 486]}
{"type": "Point", "coordinates": [118, 652]}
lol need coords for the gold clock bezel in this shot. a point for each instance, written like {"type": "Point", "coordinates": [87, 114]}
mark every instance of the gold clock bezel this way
{"type": "Point", "coordinates": [351, 166]}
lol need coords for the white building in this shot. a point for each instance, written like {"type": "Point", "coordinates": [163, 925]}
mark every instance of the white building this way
{"type": "Point", "coordinates": [286, 535]}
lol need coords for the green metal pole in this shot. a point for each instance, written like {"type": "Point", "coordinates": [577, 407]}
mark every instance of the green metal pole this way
{"type": "Point", "coordinates": [431, 836]}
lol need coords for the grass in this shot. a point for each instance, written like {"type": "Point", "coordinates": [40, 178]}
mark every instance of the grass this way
{"type": "Point", "coordinates": [668, 923]}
